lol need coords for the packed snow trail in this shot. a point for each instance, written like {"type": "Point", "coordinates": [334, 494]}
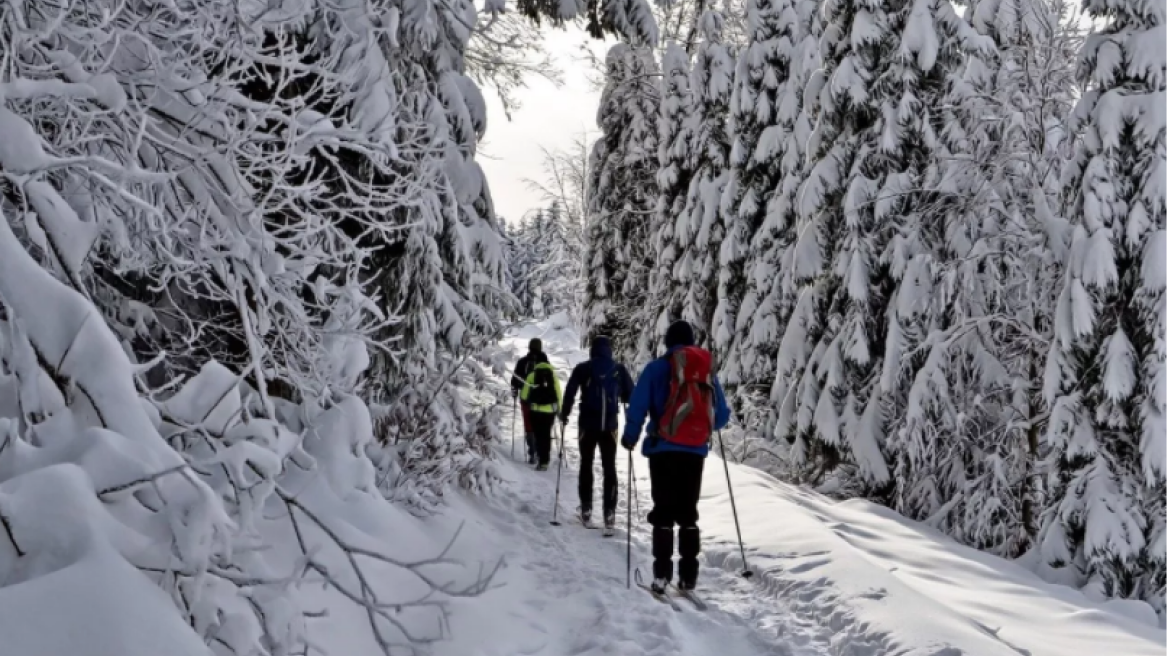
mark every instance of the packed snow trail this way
{"type": "Point", "coordinates": [839, 579]}
{"type": "Point", "coordinates": [565, 589]}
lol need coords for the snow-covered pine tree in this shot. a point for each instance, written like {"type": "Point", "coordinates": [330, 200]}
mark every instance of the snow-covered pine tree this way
{"type": "Point", "coordinates": [440, 262]}
{"type": "Point", "coordinates": [1105, 379]}
{"type": "Point", "coordinates": [670, 274]}
{"type": "Point", "coordinates": [523, 259]}
{"type": "Point", "coordinates": [864, 215]}
{"type": "Point", "coordinates": [784, 47]}
{"type": "Point", "coordinates": [711, 81]}
{"type": "Point", "coordinates": [209, 191]}
{"type": "Point", "coordinates": [753, 164]}
{"type": "Point", "coordinates": [965, 449]}
{"type": "Point", "coordinates": [631, 20]}
{"type": "Point", "coordinates": [511, 253]}
{"type": "Point", "coordinates": [555, 253]}
{"type": "Point", "coordinates": [565, 271]}
{"type": "Point", "coordinates": [622, 198]}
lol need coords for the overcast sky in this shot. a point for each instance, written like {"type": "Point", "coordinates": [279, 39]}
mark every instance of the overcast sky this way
{"type": "Point", "coordinates": [549, 117]}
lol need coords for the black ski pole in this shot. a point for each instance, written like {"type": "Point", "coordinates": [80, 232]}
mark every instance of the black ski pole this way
{"type": "Point", "coordinates": [629, 526]}
{"type": "Point", "coordinates": [746, 573]}
{"type": "Point", "coordinates": [559, 472]}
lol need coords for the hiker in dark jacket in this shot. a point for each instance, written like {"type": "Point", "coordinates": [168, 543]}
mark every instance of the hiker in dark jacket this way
{"type": "Point", "coordinates": [675, 470]}
{"type": "Point", "coordinates": [523, 369]}
{"type": "Point", "coordinates": [604, 384]}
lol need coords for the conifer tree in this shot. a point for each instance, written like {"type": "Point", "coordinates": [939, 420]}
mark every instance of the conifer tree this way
{"type": "Point", "coordinates": [785, 45]}
{"type": "Point", "coordinates": [622, 199]}
{"type": "Point", "coordinates": [670, 236]}
{"type": "Point", "coordinates": [966, 443]}
{"type": "Point", "coordinates": [711, 81]}
{"type": "Point", "coordinates": [1105, 379]}
{"type": "Point", "coordinates": [875, 148]}
{"type": "Point", "coordinates": [753, 169]}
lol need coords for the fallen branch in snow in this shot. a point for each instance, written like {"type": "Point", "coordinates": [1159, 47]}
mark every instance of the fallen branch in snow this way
{"type": "Point", "coordinates": [367, 598]}
{"type": "Point", "coordinates": [11, 537]}
{"type": "Point", "coordinates": [141, 481]}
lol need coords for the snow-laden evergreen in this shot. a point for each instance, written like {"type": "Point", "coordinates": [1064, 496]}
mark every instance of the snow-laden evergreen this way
{"type": "Point", "coordinates": [622, 199]}
{"type": "Point", "coordinates": [875, 147]}
{"type": "Point", "coordinates": [439, 261]}
{"type": "Point", "coordinates": [762, 91]}
{"type": "Point", "coordinates": [775, 106]}
{"type": "Point", "coordinates": [711, 83]}
{"type": "Point", "coordinates": [907, 310]}
{"type": "Point", "coordinates": [975, 312]}
{"type": "Point", "coordinates": [1105, 379]}
{"type": "Point", "coordinates": [197, 199]}
{"type": "Point", "coordinates": [671, 272]}
{"type": "Point", "coordinates": [692, 157]}
{"type": "Point", "coordinates": [630, 20]}
{"type": "Point", "coordinates": [545, 257]}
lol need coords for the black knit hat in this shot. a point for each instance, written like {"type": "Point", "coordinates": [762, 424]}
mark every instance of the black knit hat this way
{"type": "Point", "coordinates": [680, 333]}
{"type": "Point", "coordinates": [535, 345]}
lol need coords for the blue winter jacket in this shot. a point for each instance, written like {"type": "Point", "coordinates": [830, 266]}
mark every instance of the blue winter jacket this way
{"type": "Point", "coordinates": [598, 370]}
{"type": "Point", "coordinates": [650, 396]}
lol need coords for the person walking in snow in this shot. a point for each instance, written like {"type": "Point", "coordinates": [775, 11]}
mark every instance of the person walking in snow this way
{"type": "Point", "coordinates": [541, 393]}
{"type": "Point", "coordinates": [523, 369]}
{"type": "Point", "coordinates": [604, 384]}
{"type": "Point", "coordinates": [685, 405]}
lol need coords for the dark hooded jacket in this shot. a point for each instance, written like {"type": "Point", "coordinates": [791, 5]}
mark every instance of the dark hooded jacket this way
{"type": "Point", "coordinates": [526, 365]}
{"type": "Point", "coordinates": [602, 370]}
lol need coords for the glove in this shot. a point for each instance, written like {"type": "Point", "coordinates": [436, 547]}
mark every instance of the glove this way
{"type": "Point", "coordinates": [563, 419]}
{"type": "Point", "coordinates": [628, 443]}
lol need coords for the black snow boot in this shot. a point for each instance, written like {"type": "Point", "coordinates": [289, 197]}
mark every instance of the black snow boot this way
{"type": "Point", "coordinates": [689, 543]}
{"type": "Point", "coordinates": [663, 553]}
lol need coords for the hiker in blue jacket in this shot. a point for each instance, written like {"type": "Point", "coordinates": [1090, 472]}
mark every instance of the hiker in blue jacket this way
{"type": "Point", "coordinates": [604, 384]}
{"type": "Point", "coordinates": [675, 470]}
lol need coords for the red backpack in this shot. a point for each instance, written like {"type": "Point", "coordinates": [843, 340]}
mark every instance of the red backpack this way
{"type": "Point", "coordinates": [688, 419]}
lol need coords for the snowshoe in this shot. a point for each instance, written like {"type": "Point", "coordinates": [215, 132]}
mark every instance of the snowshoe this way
{"type": "Point", "coordinates": [541, 467]}
{"type": "Point", "coordinates": [585, 517]}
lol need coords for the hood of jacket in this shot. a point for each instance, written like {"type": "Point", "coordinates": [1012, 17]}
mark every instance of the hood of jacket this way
{"type": "Point", "coordinates": [600, 355]}
{"type": "Point", "coordinates": [601, 350]}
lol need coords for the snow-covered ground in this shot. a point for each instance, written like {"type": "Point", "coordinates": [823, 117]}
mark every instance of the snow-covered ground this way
{"type": "Point", "coordinates": [831, 578]}
{"type": "Point", "coordinates": [840, 579]}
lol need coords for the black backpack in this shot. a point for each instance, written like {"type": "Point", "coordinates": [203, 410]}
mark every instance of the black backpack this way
{"type": "Point", "coordinates": [543, 388]}
{"type": "Point", "coordinates": [600, 395]}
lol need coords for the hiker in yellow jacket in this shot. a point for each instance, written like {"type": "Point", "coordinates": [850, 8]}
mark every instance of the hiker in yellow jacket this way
{"type": "Point", "coordinates": [541, 391]}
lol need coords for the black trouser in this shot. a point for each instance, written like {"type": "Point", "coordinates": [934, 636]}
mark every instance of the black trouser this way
{"type": "Point", "coordinates": [677, 484]}
{"type": "Point", "coordinates": [542, 424]}
{"type": "Point", "coordinates": [606, 440]}
{"type": "Point", "coordinates": [528, 436]}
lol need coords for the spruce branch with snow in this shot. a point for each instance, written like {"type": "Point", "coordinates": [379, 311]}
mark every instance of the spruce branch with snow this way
{"type": "Point", "coordinates": [1104, 371]}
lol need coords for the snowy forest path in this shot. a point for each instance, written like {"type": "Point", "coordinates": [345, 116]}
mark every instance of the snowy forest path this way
{"type": "Point", "coordinates": [582, 605]}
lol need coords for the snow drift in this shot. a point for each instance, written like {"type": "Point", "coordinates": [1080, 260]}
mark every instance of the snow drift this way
{"type": "Point", "coordinates": [889, 585]}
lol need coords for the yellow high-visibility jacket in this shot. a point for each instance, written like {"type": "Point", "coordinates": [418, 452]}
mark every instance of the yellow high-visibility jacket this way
{"type": "Point", "coordinates": [530, 382]}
